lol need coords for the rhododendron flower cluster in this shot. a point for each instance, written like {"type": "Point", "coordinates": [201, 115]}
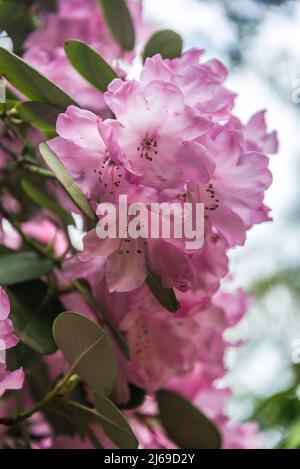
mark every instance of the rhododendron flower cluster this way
{"type": "Point", "coordinates": [172, 151]}
{"type": "Point", "coordinates": [152, 312]}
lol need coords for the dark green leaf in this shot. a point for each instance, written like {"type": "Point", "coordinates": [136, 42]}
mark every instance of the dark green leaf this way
{"type": "Point", "coordinates": [33, 310]}
{"type": "Point", "coordinates": [119, 21]}
{"type": "Point", "coordinates": [167, 43]}
{"type": "Point", "coordinates": [137, 397]}
{"type": "Point", "coordinates": [63, 422]}
{"type": "Point", "coordinates": [49, 5]}
{"type": "Point", "coordinates": [90, 64]}
{"type": "Point", "coordinates": [112, 422]}
{"type": "Point", "coordinates": [185, 425]}
{"type": "Point", "coordinates": [45, 202]}
{"type": "Point", "coordinates": [42, 116]}
{"type": "Point", "coordinates": [5, 250]}
{"type": "Point", "coordinates": [66, 181]}
{"type": "Point", "coordinates": [30, 82]}
{"type": "Point", "coordinates": [19, 267]}
{"type": "Point", "coordinates": [165, 296]}
{"type": "Point", "coordinates": [87, 350]}
{"type": "Point", "coordinates": [15, 18]}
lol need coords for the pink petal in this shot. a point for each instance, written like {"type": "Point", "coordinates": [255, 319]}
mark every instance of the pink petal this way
{"type": "Point", "coordinates": [197, 164]}
{"type": "Point", "coordinates": [94, 246]}
{"type": "Point", "coordinates": [126, 272]}
{"type": "Point", "coordinates": [12, 380]}
{"type": "Point", "coordinates": [4, 304]}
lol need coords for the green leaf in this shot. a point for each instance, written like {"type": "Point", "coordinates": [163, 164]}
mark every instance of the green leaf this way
{"type": "Point", "coordinates": [185, 425]}
{"type": "Point", "coordinates": [7, 106]}
{"type": "Point", "coordinates": [66, 181]}
{"type": "Point", "coordinates": [90, 64]}
{"type": "Point", "coordinates": [115, 425]}
{"type": "Point", "coordinates": [112, 422]}
{"type": "Point", "coordinates": [49, 5]}
{"type": "Point", "coordinates": [33, 310]}
{"type": "Point", "coordinates": [87, 350]}
{"type": "Point", "coordinates": [137, 397]}
{"type": "Point", "coordinates": [20, 267]}
{"type": "Point", "coordinates": [119, 21]}
{"type": "Point", "coordinates": [30, 82]}
{"type": "Point", "coordinates": [165, 296]}
{"type": "Point", "coordinates": [167, 43]}
{"type": "Point", "coordinates": [15, 19]}
{"type": "Point", "coordinates": [42, 116]}
{"type": "Point", "coordinates": [293, 437]}
{"type": "Point", "coordinates": [45, 202]}
{"type": "Point", "coordinates": [60, 416]}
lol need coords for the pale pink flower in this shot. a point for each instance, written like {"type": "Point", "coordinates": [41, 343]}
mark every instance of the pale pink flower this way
{"type": "Point", "coordinates": [200, 83]}
{"type": "Point", "coordinates": [124, 260]}
{"type": "Point", "coordinates": [14, 379]}
{"type": "Point", "coordinates": [82, 151]}
{"type": "Point", "coordinates": [162, 345]}
{"type": "Point", "coordinates": [154, 134]}
{"type": "Point", "coordinates": [256, 136]}
{"type": "Point", "coordinates": [7, 337]}
{"type": "Point", "coordinates": [46, 232]}
{"type": "Point", "coordinates": [234, 196]}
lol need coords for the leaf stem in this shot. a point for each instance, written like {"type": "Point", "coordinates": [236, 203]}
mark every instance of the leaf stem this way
{"type": "Point", "coordinates": [38, 170]}
{"type": "Point", "coordinates": [27, 163]}
{"type": "Point", "coordinates": [50, 396]}
{"type": "Point", "coordinates": [93, 303]}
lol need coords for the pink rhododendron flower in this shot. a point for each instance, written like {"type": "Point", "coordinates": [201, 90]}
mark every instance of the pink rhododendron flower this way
{"type": "Point", "coordinates": [125, 260]}
{"type": "Point", "coordinates": [84, 154]}
{"type": "Point", "coordinates": [8, 339]}
{"type": "Point", "coordinates": [14, 379]}
{"type": "Point", "coordinates": [201, 83]}
{"type": "Point", "coordinates": [162, 346]}
{"type": "Point", "coordinates": [257, 137]}
{"type": "Point", "coordinates": [234, 196]}
{"type": "Point", "coordinates": [48, 233]}
{"type": "Point", "coordinates": [154, 134]}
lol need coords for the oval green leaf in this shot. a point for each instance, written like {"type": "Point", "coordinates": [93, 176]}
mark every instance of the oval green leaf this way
{"type": "Point", "coordinates": [185, 425]}
{"type": "Point", "coordinates": [167, 43]}
{"type": "Point", "coordinates": [30, 82]}
{"type": "Point", "coordinates": [20, 267]}
{"type": "Point", "coordinates": [66, 181]}
{"type": "Point", "coordinates": [165, 296]}
{"type": "Point", "coordinates": [90, 64]}
{"type": "Point", "coordinates": [42, 116]}
{"type": "Point", "coordinates": [115, 425]}
{"type": "Point", "coordinates": [44, 201]}
{"type": "Point", "coordinates": [119, 21]}
{"type": "Point", "coordinates": [87, 350]}
{"type": "Point", "coordinates": [112, 421]}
